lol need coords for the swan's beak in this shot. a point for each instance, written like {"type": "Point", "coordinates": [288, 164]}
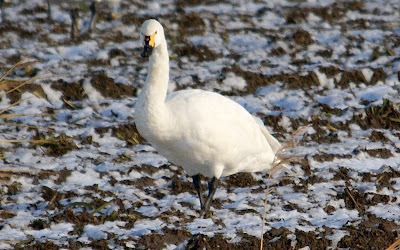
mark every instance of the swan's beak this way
{"type": "Point", "coordinates": [148, 46]}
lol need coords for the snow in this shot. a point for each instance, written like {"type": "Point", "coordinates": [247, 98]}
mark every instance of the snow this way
{"type": "Point", "coordinates": [233, 82]}
{"type": "Point", "coordinates": [375, 93]}
{"type": "Point", "coordinates": [57, 232]}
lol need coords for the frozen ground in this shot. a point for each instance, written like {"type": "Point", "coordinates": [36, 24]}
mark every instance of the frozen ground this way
{"type": "Point", "coordinates": [88, 180]}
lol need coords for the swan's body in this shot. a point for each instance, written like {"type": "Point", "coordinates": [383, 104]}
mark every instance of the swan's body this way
{"type": "Point", "coordinates": [204, 132]}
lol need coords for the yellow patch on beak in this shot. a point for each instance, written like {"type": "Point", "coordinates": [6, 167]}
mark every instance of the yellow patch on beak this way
{"type": "Point", "coordinates": [150, 40]}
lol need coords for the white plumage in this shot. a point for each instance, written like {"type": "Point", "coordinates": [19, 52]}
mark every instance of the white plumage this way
{"type": "Point", "coordinates": [204, 132]}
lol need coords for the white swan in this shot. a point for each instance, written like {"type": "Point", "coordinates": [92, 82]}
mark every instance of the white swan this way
{"type": "Point", "coordinates": [204, 132]}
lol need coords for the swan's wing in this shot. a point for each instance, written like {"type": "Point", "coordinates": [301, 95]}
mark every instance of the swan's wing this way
{"type": "Point", "coordinates": [275, 145]}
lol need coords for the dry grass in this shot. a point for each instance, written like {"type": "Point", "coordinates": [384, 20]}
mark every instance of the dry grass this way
{"type": "Point", "coordinates": [90, 206]}
{"type": "Point", "coordinates": [8, 86]}
{"type": "Point", "coordinates": [14, 242]}
{"type": "Point", "coordinates": [6, 174]}
{"type": "Point", "coordinates": [395, 245]}
{"type": "Point", "coordinates": [21, 125]}
{"type": "Point", "coordinates": [8, 116]}
{"type": "Point", "coordinates": [12, 105]}
{"type": "Point", "coordinates": [42, 141]}
{"type": "Point", "coordinates": [279, 163]}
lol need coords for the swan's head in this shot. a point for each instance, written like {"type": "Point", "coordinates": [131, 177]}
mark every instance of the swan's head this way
{"type": "Point", "coordinates": [151, 35]}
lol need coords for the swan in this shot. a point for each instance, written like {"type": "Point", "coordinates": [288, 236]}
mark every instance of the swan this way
{"type": "Point", "coordinates": [201, 131]}
{"type": "Point", "coordinates": [73, 4]}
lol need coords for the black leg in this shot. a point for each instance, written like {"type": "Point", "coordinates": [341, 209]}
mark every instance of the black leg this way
{"type": "Point", "coordinates": [3, 17]}
{"type": "Point", "coordinates": [49, 10]}
{"type": "Point", "coordinates": [212, 187]}
{"type": "Point", "coordinates": [75, 20]}
{"type": "Point", "coordinates": [197, 186]}
{"type": "Point", "coordinates": [93, 17]}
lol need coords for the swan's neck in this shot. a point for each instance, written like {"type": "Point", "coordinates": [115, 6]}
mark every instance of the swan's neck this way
{"type": "Point", "coordinates": [153, 115]}
{"type": "Point", "coordinates": [157, 77]}
{"type": "Point", "coordinates": [155, 89]}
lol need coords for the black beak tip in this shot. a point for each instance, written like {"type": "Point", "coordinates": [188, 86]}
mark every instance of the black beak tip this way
{"type": "Point", "coordinates": [146, 52]}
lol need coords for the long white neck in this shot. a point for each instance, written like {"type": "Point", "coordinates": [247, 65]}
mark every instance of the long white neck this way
{"type": "Point", "coordinates": [157, 77]}
{"type": "Point", "coordinates": [152, 113]}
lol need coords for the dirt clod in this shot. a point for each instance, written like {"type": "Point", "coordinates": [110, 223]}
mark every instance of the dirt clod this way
{"type": "Point", "coordinates": [302, 37]}
{"type": "Point", "coordinates": [241, 180]}
{"type": "Point", "coordinates": [374, 233]}
{"type": "Point", "coordinates": [191, 24]}
{"type": "Point", "coordinates": [379, 75]}
{"type": "Point", "coordinates": [201, 241]}
{"type": "Point", "coordinates": [71, 91]}
{"type": "Point", "coordinates": [385, 116]}
{"type": "Point", "coordinates": [15, 95]}
{"type": "Point", "coordinates": [179, 186]}
{"type": "Point", "coordinates": [56, 145]}
{"type": "Point", "coordinates": [197, 53]}
{"type": "Point", "coordinates": [158, 241]}
{"type": "Point", "coordinates": [108, 88]}
{"type": "Point", "coordinates": [354, 76]}
{"type": "Point", "coordinates": [382, 153]}
{"type": "Point", "coordinates": [128, 133]}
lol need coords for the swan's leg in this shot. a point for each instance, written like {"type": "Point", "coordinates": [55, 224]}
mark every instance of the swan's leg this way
{"type": "Point", "coordinates": [75, 21]}
{"type": "Point", "coordinates": [93, 17]}
{"type": "Point", "coordinates": [212, 187]}
{"type": "Point", "coordinates": [49, 10]}
{"type": "Point", "coordinates": [3, 17]}
{"type": "Point", "coordinates": [197, 186]}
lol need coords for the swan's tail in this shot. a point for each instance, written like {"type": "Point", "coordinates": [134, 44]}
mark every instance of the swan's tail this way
{"type": "Point", "coordinates": [280, 161]}
{"type": "Point", "coordinates": [275, 145]}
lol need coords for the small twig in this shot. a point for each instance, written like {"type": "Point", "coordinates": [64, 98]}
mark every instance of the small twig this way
{"type": "Point", "coordinates": [54, 141]}
{"type": "Point", "coordinates": [7, 116]}
{"type": "Point", "coordinates": [81, 204]}
{"type": "Point", "coordinates": [279, 162]}
{"type": "Point", "coordinates": [7, 213]}
{"type": "Point", "coordinates": [395, 245]}
{"type": "Point", "coordinates": [268, 192]}
{"type": "Point", "coordinates": [25, 64]}
{"type": "Point", "coordinates": [27, 81]}
{"type": "Point", "coordinates": [352, 198]}
{"type": "Point", "coordinates": [101, 207]}
{"type": "Point", "coordinates": [14, 242]}
{"type": "Point", "coordinates": [380, 178]}
{"type": "Point", "coordinates": [51, 202]}
{"type": "Point", "coordinates": [11, 70]}
{"type": "Point", "coordinates": [12, 105]}
{"type": "Point", "coordinates": [19, 64]}
{"type": "Point", "coordinates": [69, 103]}
{"type": "Point", "coordinates": [12, 171]}
{"type": "Point", "coordinates": [90, 206]}
{"type": "Point", "coordinates": [22, 125]}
